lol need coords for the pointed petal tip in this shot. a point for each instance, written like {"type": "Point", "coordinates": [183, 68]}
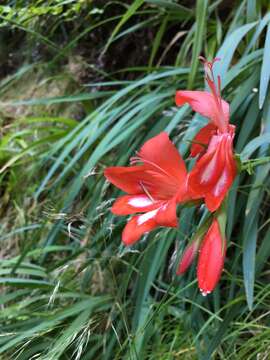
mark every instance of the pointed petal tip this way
{"type": "Point", "coordinates": [181, 270]}
{"type": "Point", "coordinates": [137, 226]}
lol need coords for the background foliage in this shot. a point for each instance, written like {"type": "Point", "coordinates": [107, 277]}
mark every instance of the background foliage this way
{"type": "Point", "coordinates": [83, 85]}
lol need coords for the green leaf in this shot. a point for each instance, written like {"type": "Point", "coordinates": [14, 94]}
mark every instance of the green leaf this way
{"type": "Point", "coordinates": [61, 99]}
{"type": "Point", "coordinates": [251, 10]}
{"type": "Point", "coordinates": [250, 231]}
{"type": "Point", "coordinates": [67, 337]}
{"type": "Point", "coordinates": [263, 252]}
{"type": "Point", "coordinates": [253, 145]}
{"type": "Point", "coordinates": [250, 236]}
{"type": "Point", "coordinates": [265, 71]}
{"type": "Point", "coordinates": [261, 25]}
{"type": "Point", "coordinates": [226, 51]}
{"type": "Point", "coordinates": [170, 5]}
{"type": "Point", "coordinates": [221, 331]}
{"type": "Point", "coordinates": [37, 284]}
{"type": "Point", "coordinates": [201, 16]}
{"type": "Point", "coordinates": [130, 12]}
{"type": "Point", "coordinates": [157, 40]}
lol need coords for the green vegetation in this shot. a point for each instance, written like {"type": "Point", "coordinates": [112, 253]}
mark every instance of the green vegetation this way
{"type": "Point", "coordinates": [83, 85]}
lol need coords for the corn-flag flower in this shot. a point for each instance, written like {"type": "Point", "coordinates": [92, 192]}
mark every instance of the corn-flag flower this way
{"type": "Point", "coordinates": [211, 259]}
{"type": "Point", "coordinates": [215, 170]}
{"type": "Point", "coordinates": [212, 248]}
{"type": "Point", "coordinates": [155, 182]}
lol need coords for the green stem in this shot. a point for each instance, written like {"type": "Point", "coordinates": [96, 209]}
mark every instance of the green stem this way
{"type": "Point", "coordinates": [250, 164]}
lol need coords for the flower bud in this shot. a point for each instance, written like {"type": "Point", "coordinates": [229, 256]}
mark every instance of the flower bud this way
{"type": "Point", "coordinates": [211, 259]}
{"type": "Point", "coordinates": [187, 257]}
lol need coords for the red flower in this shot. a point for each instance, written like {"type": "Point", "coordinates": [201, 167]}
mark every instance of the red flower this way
{"type": "Point", "coordinates": [211, 259]}
{"type": "Point", "coordinates": [214, 172]}
{"type": "Point", "coordinates": [154, 187]}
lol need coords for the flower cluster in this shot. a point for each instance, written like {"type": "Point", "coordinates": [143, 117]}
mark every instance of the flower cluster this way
{"type": "Point", "coordinates": [158, 180]}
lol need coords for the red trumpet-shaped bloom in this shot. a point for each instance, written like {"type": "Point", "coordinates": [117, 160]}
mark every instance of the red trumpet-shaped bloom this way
{"type": "Point", "coordinates": [155, 184]}
{"type": "Point", "coordinates": [213, 174]}
{"type": "Point", "coordinates": [215, 170]}
{"type": "Point", "coordinates": [211, 259]}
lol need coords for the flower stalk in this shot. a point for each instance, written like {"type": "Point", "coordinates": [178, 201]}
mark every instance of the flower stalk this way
{"type": "Point", "coordinates": [249, 165]}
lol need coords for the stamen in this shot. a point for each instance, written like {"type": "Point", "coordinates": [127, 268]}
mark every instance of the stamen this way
{"type": "Point", "coordinates": [146, 192]}
{"type": "Point", "coordinates": [216, 91]}
{"type": "Point", "coordinates": [202, 59]}
{"type": "Point", "coordinates": [135, 159]}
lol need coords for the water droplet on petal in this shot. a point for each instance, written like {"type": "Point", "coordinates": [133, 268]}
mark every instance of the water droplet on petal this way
{"type": "Point", "coordinates": [205, 292]}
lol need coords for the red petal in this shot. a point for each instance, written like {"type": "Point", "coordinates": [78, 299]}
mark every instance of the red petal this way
{"type": "Point", "coordinates": [211, 259]}
{"type": "Point", "coordinates": [215, 197]}
{"type": "Point", "coordinates": [203, 102]}
{"type": "Point", "coordinates": [206, 172]}
{"type": "Point", "coordinates": [183, 194]}
{"type": "Point", "coordinates": [137, 226]}
{"type": "Point", "coordinates": [130, 204]}
{"type": "Point", "coordinates": [136, 179]}
{"type": "Point", "coordinates": [203, 137]}
{"type": "Point", "coordinates": [126, 178]}
{"type": "Point", "coordinates": [166, 215]}
{"type": "Point", "coordinates": [161, 152]}
{"type": "Point", "coordinates": [187, 258]}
